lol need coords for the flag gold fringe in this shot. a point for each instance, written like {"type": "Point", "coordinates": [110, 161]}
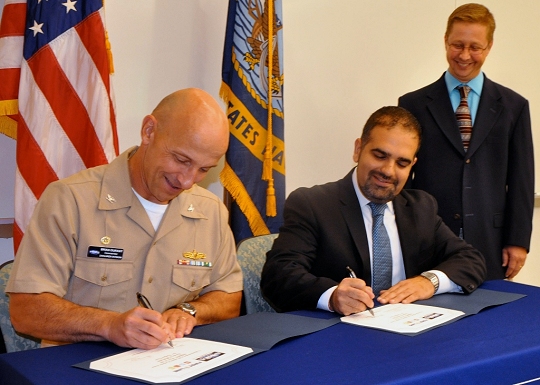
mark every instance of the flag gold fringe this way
{"type": "Point", "coordinates": [236, 188]}
{"type": "Point", "coordinates": [109, 53]}
{"type": "Point", "coordinates": [108, 48]}
{"type": "Point", "coordinates": [8, 126]}
{"type": "Point", "coordinates": [224, 92]}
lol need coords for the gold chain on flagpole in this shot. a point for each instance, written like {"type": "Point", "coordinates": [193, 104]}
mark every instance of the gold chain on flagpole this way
{"type": "Point", "coordinates": [271, 210]}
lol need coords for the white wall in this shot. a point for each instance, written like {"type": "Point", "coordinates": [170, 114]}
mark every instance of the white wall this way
{"type": "Point", "coordinates": [343, 60]}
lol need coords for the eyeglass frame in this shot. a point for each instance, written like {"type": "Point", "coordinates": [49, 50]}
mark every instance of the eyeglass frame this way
{"type": "Point", "coordinates": [460, 47]}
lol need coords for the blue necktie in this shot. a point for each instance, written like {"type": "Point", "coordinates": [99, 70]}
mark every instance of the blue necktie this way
{"type": "Point", "coordinates": [382, 253]}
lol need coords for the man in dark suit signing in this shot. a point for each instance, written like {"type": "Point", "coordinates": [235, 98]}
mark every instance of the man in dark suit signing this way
{"type": "Point", "coordinates": [482, 176]}
{"type": "Point", "coordinates": [329, 233]}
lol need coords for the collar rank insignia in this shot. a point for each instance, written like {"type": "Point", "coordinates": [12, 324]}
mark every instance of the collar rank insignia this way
{"type": "Point", "coordinates": [110, 198]}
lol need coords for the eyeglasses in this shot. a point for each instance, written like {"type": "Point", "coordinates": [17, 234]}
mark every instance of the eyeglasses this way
{"type": "Point", "coordinates": [473, 49]}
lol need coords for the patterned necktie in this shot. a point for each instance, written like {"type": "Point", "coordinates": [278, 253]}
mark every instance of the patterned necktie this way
{"type": "Point", "coordinates": [463, 116]}
{"type": "Point", "coordinates": [382, 254]}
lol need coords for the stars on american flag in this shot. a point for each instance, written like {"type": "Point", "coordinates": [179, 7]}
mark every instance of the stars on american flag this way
{"type": "Point", "coordinates": [70, 5]}
{"type": "Point", "coordinates": [37, 27]}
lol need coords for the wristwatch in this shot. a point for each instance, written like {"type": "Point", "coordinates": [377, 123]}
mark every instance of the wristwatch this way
{"type": "Point", "coordinates": [433, 279]}
{"type": "Point", "coordinates": [187, 307]}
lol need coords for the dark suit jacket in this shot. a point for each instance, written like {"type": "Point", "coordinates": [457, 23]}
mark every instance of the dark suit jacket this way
{"type": "Point", "coordinates": [489, 190]}
{"type": "Point", "coordinates": [324, 231]}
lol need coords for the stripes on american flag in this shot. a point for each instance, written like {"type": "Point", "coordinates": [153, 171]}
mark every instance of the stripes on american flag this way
{"type": "Point", "coordinates": [66, 119]}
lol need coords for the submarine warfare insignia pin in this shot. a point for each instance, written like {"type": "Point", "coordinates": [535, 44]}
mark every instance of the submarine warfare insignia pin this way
{"type": "Point", "coordinates": [194, 255]}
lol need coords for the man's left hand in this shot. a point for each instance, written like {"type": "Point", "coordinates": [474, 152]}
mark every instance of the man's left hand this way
{"type": "Point", "coordinates": [181, 322]}
{"type": "Point", "coordinates": [408, 291]}
{"type": "Point", "coordinates": [514, 258]}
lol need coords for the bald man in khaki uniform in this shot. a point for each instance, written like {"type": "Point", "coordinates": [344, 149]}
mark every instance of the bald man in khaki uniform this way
{"type": "Point", "coordinates": [140, 224]}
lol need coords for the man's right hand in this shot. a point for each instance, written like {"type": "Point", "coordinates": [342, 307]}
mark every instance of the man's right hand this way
{"type": "Point", "coordinates": [351, 296]}
{"type": "Point", "coordinates": [139, 328]}
{"type": "Point", "coordinates": [51, 318]}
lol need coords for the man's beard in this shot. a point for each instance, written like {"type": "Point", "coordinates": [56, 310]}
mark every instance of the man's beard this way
{"type": "Point", "coordinates": [376, 193]}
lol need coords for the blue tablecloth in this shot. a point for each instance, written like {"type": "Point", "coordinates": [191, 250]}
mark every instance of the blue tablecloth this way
{"type": "Point", "coordinates": [500, 345]}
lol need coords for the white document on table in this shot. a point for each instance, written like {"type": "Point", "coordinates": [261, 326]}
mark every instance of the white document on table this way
{"type": "Point", "coordinates": [187, 358]}
{"type": "Point", "coordinates": [404, 318]}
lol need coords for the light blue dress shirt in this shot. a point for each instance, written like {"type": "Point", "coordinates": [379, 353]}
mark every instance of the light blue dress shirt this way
{"type": "Point", "coordinates": [473, 98]}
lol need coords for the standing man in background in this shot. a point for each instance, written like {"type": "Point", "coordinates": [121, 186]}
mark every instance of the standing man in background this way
{"type": "Point", "coordinates": [477, 155]}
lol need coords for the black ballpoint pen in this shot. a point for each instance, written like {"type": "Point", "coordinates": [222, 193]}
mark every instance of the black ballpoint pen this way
{"type": "Point", "coordinates": [353, 275]}
{"type": "Point", "coordinates": [144, 302]}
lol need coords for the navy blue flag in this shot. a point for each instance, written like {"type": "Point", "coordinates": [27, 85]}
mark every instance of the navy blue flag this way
{"type": "Point", "coordinates": [252, 74]}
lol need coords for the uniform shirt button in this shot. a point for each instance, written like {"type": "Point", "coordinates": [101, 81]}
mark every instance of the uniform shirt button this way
{"type": "Point", "coordinates": [468, 161]}
{"type": "Point", "coordinates": [103, 277]}
{"type": "Point", "coordinates": [457, 216]}
{"type": "Point", "coordinates": [150, 279]}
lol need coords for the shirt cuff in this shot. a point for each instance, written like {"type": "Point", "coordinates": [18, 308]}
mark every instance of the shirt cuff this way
{"type": "Point", "coordinates": [445, 284]}
{"type": "Point", "coordinates": [324, 299]}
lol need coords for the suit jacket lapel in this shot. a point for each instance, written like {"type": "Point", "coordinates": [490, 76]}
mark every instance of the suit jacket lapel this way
{"type": "Point", "coordinates": [488, 112]}
{"type": "Point", "coordinates": [350, 209]}
{"type": "Point", "coordinates": [441, 109]}
{"type": "Point", "coordinates": [406, 226]}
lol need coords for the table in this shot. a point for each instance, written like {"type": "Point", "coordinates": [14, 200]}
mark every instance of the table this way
{"type": "Point", "coordinates": [500, 345]}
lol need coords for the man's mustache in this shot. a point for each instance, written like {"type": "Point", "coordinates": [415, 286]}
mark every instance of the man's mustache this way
{"type": "Point", "coordinates": [381, 175]}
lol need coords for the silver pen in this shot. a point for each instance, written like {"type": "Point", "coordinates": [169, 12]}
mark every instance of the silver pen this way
{"type": "Point", "coordinates": [353, 275]}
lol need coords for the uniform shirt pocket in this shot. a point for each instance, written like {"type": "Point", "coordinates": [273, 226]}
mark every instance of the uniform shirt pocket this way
{"type": "Point", "coordinates": [189, 281]}
{"type": "Point", "coordinates": [101, 283]}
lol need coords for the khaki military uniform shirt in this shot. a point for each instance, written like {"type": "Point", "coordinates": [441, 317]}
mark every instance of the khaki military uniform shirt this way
{"type": "Point", "coordinates": [91, 242]}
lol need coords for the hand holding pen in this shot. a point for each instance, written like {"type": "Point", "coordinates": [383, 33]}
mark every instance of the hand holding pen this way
{"type": "Point", "coordinates": [353, 275]}
{"type": "Point", "coordinates": [144, 302]}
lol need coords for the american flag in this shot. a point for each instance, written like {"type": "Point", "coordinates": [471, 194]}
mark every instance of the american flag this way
{"type": "Point", "coordinates": [55, 67]}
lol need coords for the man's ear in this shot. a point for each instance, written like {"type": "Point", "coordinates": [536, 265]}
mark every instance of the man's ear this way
{"type": "Point", "coordinates": [148, 128]}
{"type": "Point", "coordinates": [357, 149]}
